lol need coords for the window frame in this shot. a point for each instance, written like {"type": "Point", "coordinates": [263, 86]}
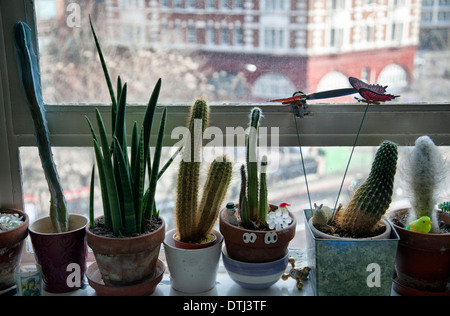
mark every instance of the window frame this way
{"type": "Point", "coordinates": [325, 125]}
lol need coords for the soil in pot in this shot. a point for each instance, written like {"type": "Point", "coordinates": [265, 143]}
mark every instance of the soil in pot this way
{"type": "Point", "coordinates": [208, 241]}
{"type": "Point", "coordinates": [11, 245]}
{"type": "Point", "coordinates": [382, 231]}
{"type": "Point", "coordinates": [128, 260]}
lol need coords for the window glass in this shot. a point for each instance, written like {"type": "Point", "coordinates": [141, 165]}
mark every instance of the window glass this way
{"type": "Point", "coordinates": [188, 43]}
{"type": "Point", "coordinates": [325, 167]}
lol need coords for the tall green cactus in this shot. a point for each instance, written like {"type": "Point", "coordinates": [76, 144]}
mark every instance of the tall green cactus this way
{"type": "Point", "coordinates": [195, 221]}
{"type": "Point", "coordinates": [253, 203]}
{"type": "Point", "coordinates": [373, 197]}
{"type": "Point", "coordinates": [29, 75]}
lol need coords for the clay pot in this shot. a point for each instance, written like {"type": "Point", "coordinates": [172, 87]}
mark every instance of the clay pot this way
{"type": "Point", "coordinates": [61, 255]}
{"type": "Point", "coordinates": [126, 261]}
{"type": "Point", "coordinates": [11, 245]}
{"type": "Point", "coordinates": [193, 270]}
{"type": "Point", "coordinates": [423, 260]}
{"type": "Point", "coordinates": [256, 246]}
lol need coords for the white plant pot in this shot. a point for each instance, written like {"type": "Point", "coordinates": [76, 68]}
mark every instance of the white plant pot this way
{"type": "Point", "coordinates": [192, 270]}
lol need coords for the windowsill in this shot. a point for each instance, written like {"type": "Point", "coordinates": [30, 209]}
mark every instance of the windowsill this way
{"type": "Point", "coordinates": [225, 286]}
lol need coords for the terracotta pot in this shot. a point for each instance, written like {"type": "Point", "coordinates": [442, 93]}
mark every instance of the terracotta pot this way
{"type": "Point", "coordinates": [193, 270]}
{"type": "Point", "coordinates": [11, 245]}
{"type": "Point", "coordinates": [61, 255]}
{"type": "Point", "coordinates": [256, 246]}
{"type": "Point", "coordinates": [423, 260]}
{"type": "Point", "coordinates": [126, 261]}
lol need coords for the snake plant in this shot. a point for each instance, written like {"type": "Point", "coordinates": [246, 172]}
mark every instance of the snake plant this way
{"type": "Point", "coordinates": [126, 204]}
{"type": "Point", "coordinates": [29, 75]}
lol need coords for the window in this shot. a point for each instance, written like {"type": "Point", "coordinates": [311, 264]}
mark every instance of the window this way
{"type": "Point", "coordinates": [336, 38]}
{"type": "Point", "coordinates": [210, 35]}
{"type": "Point", "coordinates": [224, 36]}
{"type": "Point", "coordinates": [73, 87]}
{"type": "Point", "coordinates": [274, 38]}
{"type": "Point", "coordinates": [271, 85]}
{"type": "Point", "coordinates": [192, 34]}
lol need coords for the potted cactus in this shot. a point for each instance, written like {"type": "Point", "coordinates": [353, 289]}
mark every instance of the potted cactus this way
{"type": "Point", "coordinates": [13, 231]}
{"type": "Point", "coordinates": [193, 248]}
{"type": "Point", "coordinates": [59, 239]}
{"type": "Point", "coordinates": [352, 251]}
{"type": "Point", "coordinates": [423, 258]}
{"type": "Point", "coordinates": [258, 232]}
{"type": "Point", "coordinates": [126, 240]}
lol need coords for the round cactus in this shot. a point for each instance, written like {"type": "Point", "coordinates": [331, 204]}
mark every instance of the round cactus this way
{"type": "Point", "coordinates": [373, 197]}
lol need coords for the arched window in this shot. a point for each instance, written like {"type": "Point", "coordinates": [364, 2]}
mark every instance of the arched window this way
{"type": "Point", "coordinates": [273, 85]}
{"type": "Point", "coordinates": [333, 80]}
{"type": "Point", "coordinates": [394, 76]}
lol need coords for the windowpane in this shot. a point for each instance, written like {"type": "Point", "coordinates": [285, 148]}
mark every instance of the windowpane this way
{"type": "Point", "coordinates": [188, 43]}
{"type": "Point", "coordinates": [325, 167]}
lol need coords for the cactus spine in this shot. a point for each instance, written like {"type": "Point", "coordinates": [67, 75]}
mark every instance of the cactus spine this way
{"type": "Point", "coordinates": [253, 197]}
{"type": "Point", "coordinates": [374, 196]}
{"type": "Point", "coordinates": [195, 221]}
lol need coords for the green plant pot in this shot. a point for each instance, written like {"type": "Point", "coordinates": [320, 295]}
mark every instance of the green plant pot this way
{"type": "Point", "coordinates": [344, 267]}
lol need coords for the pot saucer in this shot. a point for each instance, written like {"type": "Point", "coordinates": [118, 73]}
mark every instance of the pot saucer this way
{"type": "Point", "coordinates": [409, 291]}
{"type": "Point", "coordinates": [145, 288]}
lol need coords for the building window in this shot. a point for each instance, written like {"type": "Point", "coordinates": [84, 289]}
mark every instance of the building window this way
{"type": "Point", "coordinates": [224, 36]}
{"type": "Point", "coordinates": [225, 4]}
{"type": "Point", "coordinates": [210, 35]}
{"type": "Point", "coordinates": [397, 32]}
{"type": "Point", "coordinates": [190, 4]}
{"type": "Point", "coordinates": [191, 34]}
{"type": "Point", "coordinates": [337, 5]}
{"type": "Point", "coordinates": [238, 4]}
{"type": "Point", "coordinates": [333, 80]}
{"type": "Point", "coordinates": [211, 4]}
{"type": "Point", "coordinates": [336, 38]}
{"type": "Point", "coordinates": [394, 76]}
{"type": "Point", "coordinates": [178, 4]}
{"type": "Point", "coordinates": [275, 5]}
{"type": "Point", "coordinates": [274, 38]}
{"type": "Point", "coordinates": [272, 85]}
{"type": "Point", "coordinates": [238, 36]}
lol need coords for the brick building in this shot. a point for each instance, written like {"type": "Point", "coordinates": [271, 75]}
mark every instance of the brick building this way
{"type": "Point", "coordinates": [280, 46]}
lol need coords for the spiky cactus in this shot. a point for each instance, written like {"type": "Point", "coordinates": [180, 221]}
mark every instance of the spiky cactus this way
{"type": "Point", "coordinates": [195, 221]}
{"type": "Point", "coordinates": [425, 171]}
{"type": "Point", "coordinates": [253, 203]}
{"type": "Point", "coordinates": [373, 197]}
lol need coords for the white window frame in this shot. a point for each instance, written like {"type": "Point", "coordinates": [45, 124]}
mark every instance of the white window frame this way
{"type": "Point", "coordinates": [327, 125]}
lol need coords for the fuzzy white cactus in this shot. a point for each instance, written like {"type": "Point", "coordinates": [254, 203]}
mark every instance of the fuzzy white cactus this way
{"type": "Point", "coordinates": [425, 173]}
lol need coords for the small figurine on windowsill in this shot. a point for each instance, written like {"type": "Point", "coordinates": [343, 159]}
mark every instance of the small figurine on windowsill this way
{"type": "Point", "coordinates": [280, 218]}
{"type": "Point", "coordinates": [232, 216]}
{"type": "Point", "coordinates": [299, 274]}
